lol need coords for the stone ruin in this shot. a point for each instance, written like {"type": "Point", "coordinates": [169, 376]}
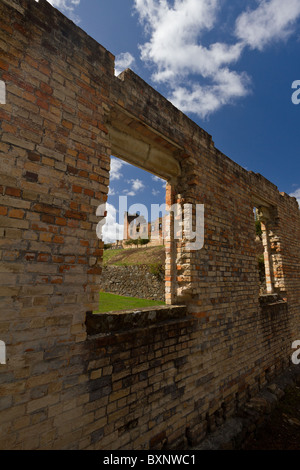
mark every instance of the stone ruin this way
{"type": "Point", "coordinates": [141, 380]}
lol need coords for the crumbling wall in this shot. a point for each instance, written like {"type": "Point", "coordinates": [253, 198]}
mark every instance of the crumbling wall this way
{"type": "Point", "coordinates": [61, 388]}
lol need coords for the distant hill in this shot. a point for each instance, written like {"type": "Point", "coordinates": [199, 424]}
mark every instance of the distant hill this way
{"type": "Point", "coordinates": [135, 256]}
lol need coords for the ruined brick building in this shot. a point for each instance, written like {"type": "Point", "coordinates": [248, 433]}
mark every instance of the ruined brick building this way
{"type": "Point", "coordinates": [77, 381]}
{"type": "Point", "coordinates": [136, 226]}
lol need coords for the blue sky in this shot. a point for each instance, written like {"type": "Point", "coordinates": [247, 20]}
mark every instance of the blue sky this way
{"type": "Point", "coordinates": [228, 64]}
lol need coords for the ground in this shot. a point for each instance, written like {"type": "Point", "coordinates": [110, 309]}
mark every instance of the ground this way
{"type": "Point", "coordinates": [134, 256]}
{"type": "Point", "coordinates": [282, 431]}
{"type": "Point", "coordinates": [112, 303]}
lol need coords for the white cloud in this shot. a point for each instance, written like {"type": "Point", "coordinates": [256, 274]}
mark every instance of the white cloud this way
{"type": "Point", "coordinates": [159, 180]}
{"type": "Point", "coordinates": [204, 100]}
{"type": "Point", "coordinates": [155, 192]}
{"type": "Point", "coordinates": [123, 61]}
{"type": "Point", "coordinates": [174, 31]}
{"type": "Point", "coordinates": [174, 46]}
{"type": "Point", "coordinates": [112, 230]}
{"type": "Point", "coordinates": [128, 193]}
{"type": "Point", "coordinates": [111, 192]}
{"type": "Point", "coordinates": [156, 178]}
{"type": "Point", "coordinates": [175, 49]}
{"type": "Point", "coordinates": [198, 73]}
{"type": "Point", "coordinates": [137, 185]}
{"type": "Point", "coordinates": [115, 169]}
{"type": "Point", "coordinates": [67, 7]}
{"type": "Point", "coordinates": [296, 194]}
{"type": "Point", "coordinates": [272, 20]}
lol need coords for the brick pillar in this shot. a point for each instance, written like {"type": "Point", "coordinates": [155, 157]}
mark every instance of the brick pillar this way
{"type": "Point", "coordinates": [264, 217]}
{"type": "Point", "coordinates": [170, 267]}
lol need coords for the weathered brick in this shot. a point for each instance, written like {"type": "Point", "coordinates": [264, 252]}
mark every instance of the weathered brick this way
{"type": "Point", "coordinates": [47, 209]}
{"type": "Point", "coordinates": [16, 213]}
{"type": "Point", "coordinates": [13, 223]}
{"type": "Point", "coordinates": [13, 192]}
{"type": "Point", "coordinates": [160, 378]}
{"type": "Point", "coordinates": [18, 142]}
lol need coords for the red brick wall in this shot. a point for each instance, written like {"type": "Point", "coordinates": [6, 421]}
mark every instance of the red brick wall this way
{"type": "Point", "coordinates": [60, 389]}
{"type": "Point", "coordinates": [54, 164]}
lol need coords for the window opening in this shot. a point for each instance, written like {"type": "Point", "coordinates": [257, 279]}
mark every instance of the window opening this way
{"type": "Point", "coordinates": [133, 236]}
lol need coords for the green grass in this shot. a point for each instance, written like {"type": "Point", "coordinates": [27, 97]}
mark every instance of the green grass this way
{"type": "Point", "coordinates": [108, 254]}
{"type": "Point", "coordinates": [112, 302]}
{"type": "Point", "coordinates": [134, 256]}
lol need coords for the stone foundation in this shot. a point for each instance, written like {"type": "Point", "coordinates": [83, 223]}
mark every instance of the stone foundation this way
{"type": "Point", "coordinates": [133, 281]}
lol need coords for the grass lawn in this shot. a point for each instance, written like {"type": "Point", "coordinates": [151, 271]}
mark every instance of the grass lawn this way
{"type": "Point", "coordinates": [108, 254]}
{"type": "Point", "coordinates": [135, 256]}
{"type": "Point", "coordinates": [112, 302]}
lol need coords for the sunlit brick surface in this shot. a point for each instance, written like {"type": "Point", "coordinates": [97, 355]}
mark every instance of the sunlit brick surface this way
{"type": "Point", "coordinates": [147, 385]}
